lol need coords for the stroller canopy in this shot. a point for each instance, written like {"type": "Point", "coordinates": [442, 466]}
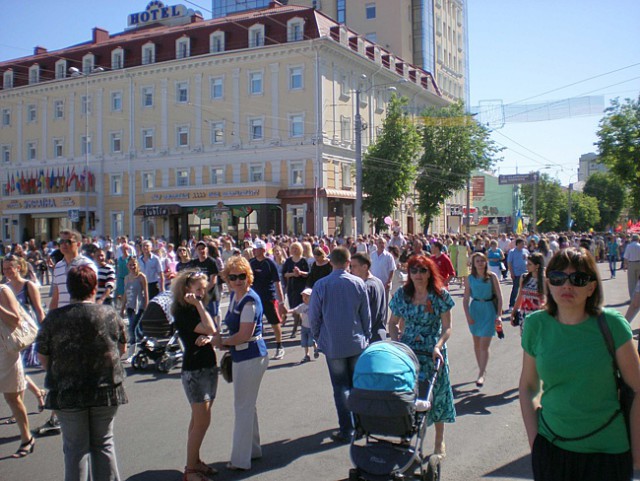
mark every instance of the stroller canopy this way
{"type": "Point", "coordinates": [386, 366]}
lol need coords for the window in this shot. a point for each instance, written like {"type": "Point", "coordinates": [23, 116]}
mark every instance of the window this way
{"type": "Point", "coordinates": [116, 101]}
{"type": "Point", "coordinates": [370, 10]}
{"type": "Point", "coordinates": [217, 132]}
{"type": "Point", "coordinates": [61, 69]}
{"type": "Point", "coordinates": [296, 125]}
{"type": "Point", "coordinates": [117, 59]}
{"type": "Point", "coordinates": [182, 136]}
{"type": "Point", "coordinates": [32, 114]}
{"type": "Point", "coordinates": [117, 224]}
{"type": "Point", "coordinates": [58, 148]}
{"type": "Point", "coordinates": [116, 184]}
{"type": "Point", "coordinates": [58, 109]}
{"type": "Point", "coordinates": [147, 97]}
{"type": "Point", "coordinates": [295, 78]}
{"type": "Point", "coordinates": [85, 105]}
{"type": "Point", "coordinates": [255, 83]}
{"type": "Point", "coordinates": [31, 150]}
{"type": "Point", "coordinates": [256, 36]}
{"type": "Point", "coordinates": [148, 53]}
{"type": "Point", "coordinates": [255, 129]}
{"type": "Point", "coordinates": [88, 61]}
{"type": "Point", "coordinates": [295, 30]}
{"type": "Point", "coordinates": [345, 93]}
{"type": "Point", "coordinates": [85, 145]}
{"type": "Point", "coordinates": [217, 88]}
{"type": "Point", "coordinates": [34, 74]}
{"type": "Point", "coordinates": [217, 175]}
{"type": "Point", "coordinates": [183, 47]}
{"type": "Point", "coordinates": [346, 176]}
{"type": "Point", "coordinates": [147, 139]}
{"type": "Point", "coordinates": [148, 181]}
{"type": "Point", "coordinates": [341, 6]}
{"type": "Point", "coordinates": [182, 177]}
{"type": "Point", "coordinates": [6, 154]}
{"type": "Point", "coordinates": [296, 173]}
{"type": "Point", "coordinates": [256, 173]}
{"type": "Point", "coordinates": [216, 42]}
{"type": "Point", "coordinates": [6, 117]}
{"type": "Point", "coordinates": [115, 139]}
{"type": "Point", "coordinates": [345, 128]}
{"type": "Point", "coordinates": [182, 92]}
{"type": "Point", "coordinates": [7, 79]}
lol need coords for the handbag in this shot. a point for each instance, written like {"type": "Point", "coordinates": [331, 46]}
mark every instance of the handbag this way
{"type": "Point", "coordinates": [625, 393]}
{"type": "Point", "coordinates": [226, 367]}
{"type": "Point", "coordinates": [15, 340]}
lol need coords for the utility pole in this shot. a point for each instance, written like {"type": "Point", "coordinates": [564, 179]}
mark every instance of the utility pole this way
{"type": "Point", "coordinates": [358, 133]}
{"type": "Point", "coordinates": [569, 217]}
{"type": "Point", "coordinates": [468, 219]}
{"type": "Point", "coordinates": [535, 206]}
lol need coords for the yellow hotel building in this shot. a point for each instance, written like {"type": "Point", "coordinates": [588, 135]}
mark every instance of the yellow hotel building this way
{"type": "Point", "coordinates": [178, 125]}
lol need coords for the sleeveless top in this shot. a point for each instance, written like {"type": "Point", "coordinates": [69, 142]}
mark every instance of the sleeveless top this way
{"type": "Point", "coordinates": [481, 289]}
{"type": "Point", "coordinates": [254, 348]}
{"type": "Point", "coordinates": [133, 290]}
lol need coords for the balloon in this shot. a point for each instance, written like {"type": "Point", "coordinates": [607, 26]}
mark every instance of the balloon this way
{"type": "Point", "coordinates": [387, 220]}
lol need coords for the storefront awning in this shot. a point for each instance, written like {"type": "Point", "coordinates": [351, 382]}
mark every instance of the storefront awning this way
{"type": "Point", "coordinates": [322, 192]}
{"type": "Point", "coordinates": [158, 210]}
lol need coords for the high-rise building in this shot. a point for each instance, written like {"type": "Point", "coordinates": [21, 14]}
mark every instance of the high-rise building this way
{"type": "Point", "coordinates": [588, 165]}
{"type": "Point", "coordinates": [433, 34]}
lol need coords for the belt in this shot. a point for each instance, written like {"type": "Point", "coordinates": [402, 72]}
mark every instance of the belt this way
{"type": "Point", "coordinates": [483, 300]}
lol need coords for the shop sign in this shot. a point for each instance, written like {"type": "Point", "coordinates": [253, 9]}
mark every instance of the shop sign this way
{"type": "Point", "coordinates": [157, 12]}
{"type": "Point", "coordinates": [206, 194]}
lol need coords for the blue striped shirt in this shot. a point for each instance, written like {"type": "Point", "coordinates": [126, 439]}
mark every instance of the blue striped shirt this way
{"type": "Point", "coordinates": [339, 315]}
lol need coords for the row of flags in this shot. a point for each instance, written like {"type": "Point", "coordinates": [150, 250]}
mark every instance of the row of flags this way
{"type": "Point", "coordinates": [29, 182]}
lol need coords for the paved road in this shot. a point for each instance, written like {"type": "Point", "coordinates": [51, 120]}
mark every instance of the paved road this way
{"type": "Point", "coordinates": [297, 415]}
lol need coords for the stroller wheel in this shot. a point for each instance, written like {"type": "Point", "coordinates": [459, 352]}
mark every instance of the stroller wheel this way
{"type": "Point", "coordinates": [432, 473]}
{"type": "Point", "coordinates": [164, 364]}
{"type": "Point", "coordinates": [140, 361]}
{"type": "Point", "coordinates": [354, 475]}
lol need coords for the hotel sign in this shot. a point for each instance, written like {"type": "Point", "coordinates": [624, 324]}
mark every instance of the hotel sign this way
{"type": "Point", "coordinates": [157, 12]}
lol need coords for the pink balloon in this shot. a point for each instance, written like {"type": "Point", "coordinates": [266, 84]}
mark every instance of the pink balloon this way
{"type": "Point", "coordinates": [387, 220]}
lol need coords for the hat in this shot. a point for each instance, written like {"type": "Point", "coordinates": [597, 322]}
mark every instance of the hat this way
{"type": "Point", "coordinates": [201, 243]}
{"type": "Point", "coordinates": [259, 244]}
{"type": "Point", "coordinates": [307, 291]}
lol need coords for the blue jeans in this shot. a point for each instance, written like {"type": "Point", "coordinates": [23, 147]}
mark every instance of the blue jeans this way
{"type": "Point", "coordinates": [135, 332]}
{"type": "Point", "coordinates": [612, 265]}
{"type": "Point", "coordinates": [514, 291]}
{"type": "Point", "coordinates": [87, 442]}
{"type": "Point", "coordinates": [341, 374]}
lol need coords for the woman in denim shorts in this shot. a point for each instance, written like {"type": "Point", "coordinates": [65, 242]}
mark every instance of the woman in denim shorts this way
{"type": "Point", "coordinates": [199, 371]}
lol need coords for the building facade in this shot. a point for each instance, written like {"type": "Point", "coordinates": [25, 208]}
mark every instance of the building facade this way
{"type": "Point", "coordinates": [587, 165]}
{"type": "Point", "coordinates": [195, 126]}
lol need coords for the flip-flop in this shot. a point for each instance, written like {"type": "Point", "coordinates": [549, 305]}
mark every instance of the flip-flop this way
{"type": "Point", "coordinates": [10, 420]}
{"type": "Point", "coordinates": [206, 469]}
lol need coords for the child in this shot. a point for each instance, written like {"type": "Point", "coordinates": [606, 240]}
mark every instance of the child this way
{"type": "Point", "coordinates": [306, 338]}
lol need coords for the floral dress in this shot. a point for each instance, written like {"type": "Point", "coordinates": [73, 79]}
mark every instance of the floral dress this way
{"type": "Point", "coordinates": [422, 329]}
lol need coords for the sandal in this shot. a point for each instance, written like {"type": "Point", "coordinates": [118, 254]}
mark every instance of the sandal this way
{"type": "Point", "coordinates": [41, 396]}
{"type": "Point", "coordinates": [193, 475]}
{"type": "Point", "coordinates": [25, 449]}
{"type": "Point", "coordinates": [205, 468]}
{"type": "Point", "coordinates": [10, 420]}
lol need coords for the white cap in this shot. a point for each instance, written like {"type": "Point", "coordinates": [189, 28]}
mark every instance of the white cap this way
{"type": "Point", "coordinates": [307, 291]}
{"type": "Point", "coordinates": [259, 244]}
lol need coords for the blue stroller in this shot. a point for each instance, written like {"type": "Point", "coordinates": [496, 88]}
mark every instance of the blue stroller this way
{"type": "Point", "coordinates": [390, 428]}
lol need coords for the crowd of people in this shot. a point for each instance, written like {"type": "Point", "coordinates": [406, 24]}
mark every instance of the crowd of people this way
{"type": "Point", "coordinates": [343, 294]}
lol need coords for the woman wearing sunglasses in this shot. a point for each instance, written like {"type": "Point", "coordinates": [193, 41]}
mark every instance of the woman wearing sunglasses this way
{"type": "Point", "coordinates": [575, 429]}
{"type": "Point", "coordinates": [421, 319]}
{"type": "Point", "coordinates": [199, 373]}
{"type": "Point", "coordinates": [250, 361]}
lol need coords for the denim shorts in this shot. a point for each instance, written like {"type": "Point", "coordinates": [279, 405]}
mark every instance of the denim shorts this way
{"type": "Point", "coordinates": [200, 385]}
{"type": "Point", "coordinates": [306, 338]}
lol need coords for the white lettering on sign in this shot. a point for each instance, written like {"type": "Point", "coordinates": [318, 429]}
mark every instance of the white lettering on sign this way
{"type": "Point", "coordinates": [157, 12]}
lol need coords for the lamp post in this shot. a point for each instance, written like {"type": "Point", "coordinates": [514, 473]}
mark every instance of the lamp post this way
{"type": "Point", "coordinates": [358, 135]}
{"type": "Point", "coordinates": [75, 73]}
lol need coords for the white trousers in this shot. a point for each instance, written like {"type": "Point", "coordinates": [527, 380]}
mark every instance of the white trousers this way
{"type": "Point", "coordinates": [247, 376]}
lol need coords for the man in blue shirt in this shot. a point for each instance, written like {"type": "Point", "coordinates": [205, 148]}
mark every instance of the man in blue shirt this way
{"type": "Point", "coordinates": [517, 263]}
{"type": "Point", "coordinates": [151, 267]}
{"type": "Point", "coordinates": [340, 321]}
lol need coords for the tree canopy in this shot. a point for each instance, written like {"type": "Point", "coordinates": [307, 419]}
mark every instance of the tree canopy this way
{"type": "Point", "coordinates": [606, 188]}
{"type": "Point", "coordinates": [550, 199]}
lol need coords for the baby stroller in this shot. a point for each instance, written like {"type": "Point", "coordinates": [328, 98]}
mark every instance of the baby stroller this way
{"type": "Point", "coordinates": [388, 416]}
{"type": "Point", "coordinates": [160, 342]}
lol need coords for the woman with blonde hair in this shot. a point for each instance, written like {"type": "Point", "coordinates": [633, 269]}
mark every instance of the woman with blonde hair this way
{"type": "Point", "coordinates": [295, 271]}
{"type": "Point", "coordinates": [134, 302]}
{"type": "Point", "coordinates": [250, 360]}
{"type": "Point", "coordinates": [307, 252]}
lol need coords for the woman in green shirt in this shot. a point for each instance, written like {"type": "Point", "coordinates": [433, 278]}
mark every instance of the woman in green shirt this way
{"type": "Point", "coordinates": [575, 429]}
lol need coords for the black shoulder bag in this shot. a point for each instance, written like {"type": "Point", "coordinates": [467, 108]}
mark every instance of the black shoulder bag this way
{"type": "Point", "coordinates": [625, 393]}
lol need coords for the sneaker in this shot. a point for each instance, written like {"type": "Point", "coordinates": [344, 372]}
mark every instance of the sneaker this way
{"type": "Point", "coordinates": [305, 359]}
{"type": "Point", "coordinates": [341, 438]}
{"type": "Point", "coordinates": [52, 426]}
{"type": "Point", "coordinates": [279, 354]}
{"type": "Point", "coordinates": [316, 353]}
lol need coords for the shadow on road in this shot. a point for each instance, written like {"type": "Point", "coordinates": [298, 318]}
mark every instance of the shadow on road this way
{"type": "Point", "coordinates": [475, 402]}
{"type": "Point", "coordinates": [160, 475]}
{"type": "Point", "coordinates": [517, 469]}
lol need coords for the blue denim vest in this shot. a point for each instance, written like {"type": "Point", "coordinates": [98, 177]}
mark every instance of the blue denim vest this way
{"type": "Point", "coordinates": [255, 348]}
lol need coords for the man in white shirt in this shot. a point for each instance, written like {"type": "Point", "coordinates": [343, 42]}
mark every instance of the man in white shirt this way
{"type": "Point", "coordinates": [383, 265]}
{"type": "Point", "coordinates": [632, 263]}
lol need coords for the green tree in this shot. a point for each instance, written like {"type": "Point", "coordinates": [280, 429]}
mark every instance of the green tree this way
{"type": "Point", "coordinates": [619, 145]}
{"type": "Point", "coordinates": [389, 166]}
{"type": "Point", "coordinates": [605, 187]}
{"type": "Point", "coordinates": [584, 212]}
{"type": "Point", "coordinates": [454, 145]}
{"type": "Point", "coordinates": [549, 201]}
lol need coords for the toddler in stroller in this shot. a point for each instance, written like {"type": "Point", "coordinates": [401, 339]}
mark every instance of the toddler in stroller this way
{"type": "Point", "coordinates": [389, 417]}
{"type": "Point", "coordinates": [161, 342]}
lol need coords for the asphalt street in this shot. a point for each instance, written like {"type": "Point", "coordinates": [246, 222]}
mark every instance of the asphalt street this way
{"type": "Point", "coordinates": [297, 415]}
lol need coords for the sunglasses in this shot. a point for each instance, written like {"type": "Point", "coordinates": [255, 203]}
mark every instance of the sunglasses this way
{"type": "Point", "coordinates": [67, 241]}
{"type": "Point", "coordinates": [577, 279]}
{"type": "Point", "coordinates": [238, 277]}
{"type": "Point", "coordinates": [418, 270]}
{"type": "Point", "coordinates": [197, 274]}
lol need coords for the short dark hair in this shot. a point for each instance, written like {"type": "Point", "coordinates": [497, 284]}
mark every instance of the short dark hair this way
{"type": "Point", "coordinates": [340, 256]}
{"type": "Point", "coordinates": [362, 258]}
{"type": "Point", "coordinates": [81, 282]}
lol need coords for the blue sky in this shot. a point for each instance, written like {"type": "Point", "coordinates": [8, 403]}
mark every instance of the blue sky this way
{"type": "Point", "coordinates": [519, 49]}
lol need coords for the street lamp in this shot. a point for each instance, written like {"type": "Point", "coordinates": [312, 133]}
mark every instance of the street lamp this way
{"type": "Point", "coordinates": [358, 134]}
{"type": "Point", "coordinates": [75, 73]}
